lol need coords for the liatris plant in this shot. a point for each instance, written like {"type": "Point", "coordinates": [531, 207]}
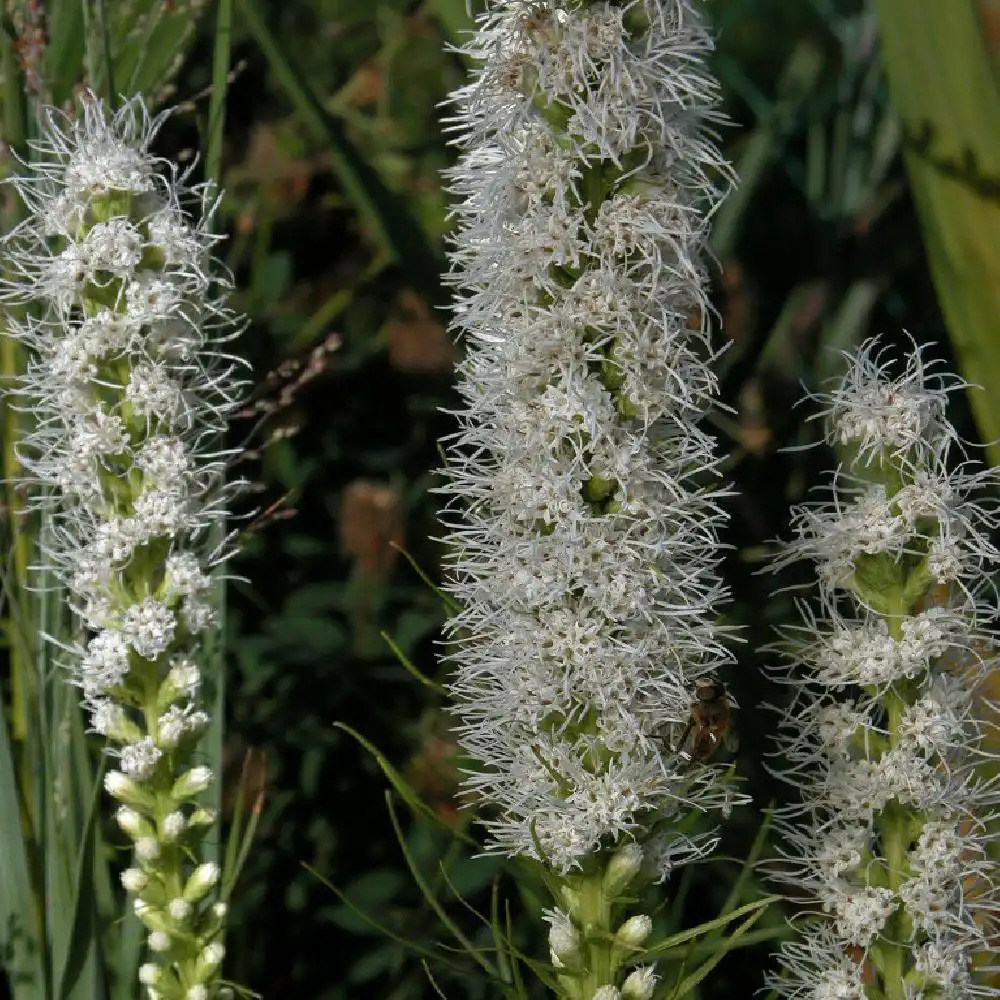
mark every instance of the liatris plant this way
{"type": "Point", "coordinates": [128, 393]}
{"type": "Point", "coordinates": [895, 835]}
{"type": "Point", "coordinates": [583, 532]}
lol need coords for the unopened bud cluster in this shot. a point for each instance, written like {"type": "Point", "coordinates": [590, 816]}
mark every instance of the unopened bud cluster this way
{"type": "Point", "coordinates": [108, 288]}
{"type": "Point", "coordinates": [895, 835]}
{"type": "Point", "coordinates": [590, 946]}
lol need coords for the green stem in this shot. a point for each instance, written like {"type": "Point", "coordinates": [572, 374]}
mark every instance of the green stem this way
{"type": "Point", "coordinates": [11, 367]}
{"type": "Point", "coordinates": [891, 951]}
{"type": "Point", "coordinates": [595, 918]}
{"type": "Point", "coordinates": [217, 102]}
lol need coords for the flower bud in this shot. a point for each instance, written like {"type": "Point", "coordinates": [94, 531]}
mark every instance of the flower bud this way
{"type": "Point", "coordinates": [181, 682]}
{"type": "Point", "coordinates": [124, 789]}
{"type": "Point", "coordinates": [151, 916]}
{"type": "Point", "coordinates": [607, 993]}
{"type": "Point", "coordinates": [202, 879]}
{"type": "Point", "coordinates": [131, 823]}
{"type": "Point", "coordinates": [203, 816]}
{"type": "Point", "coordinates": [634, 931]}
{"type": "Point", "coordinates": [134, 880]}
{"type": "Point", "coordinates": [159, 941]}
{"type": "Point", "coordinates": [191, 783]}
{"type": "Point", "coordinates": [209, 960]}
{"type": "Point", "coordinates": [622, 868]}
{"type": "Point", "coordinates": [640, 984]}
{"type": "Point", "coordinates": [564, 941]}
{"type": "Point", "coordinates": [173, 826]}
{"type": "Point", "coordinates": [150, 973]}
{"type": "Point", "coordinates": [179, 909]}
{"type": "Point", "coordinates": [109, 719]}
{"type": "Point", "coordinates": [147, 849]}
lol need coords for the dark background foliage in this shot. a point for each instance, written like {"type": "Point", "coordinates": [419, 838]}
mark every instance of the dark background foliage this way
{"type": "Point", "coordinates": [337, 216]}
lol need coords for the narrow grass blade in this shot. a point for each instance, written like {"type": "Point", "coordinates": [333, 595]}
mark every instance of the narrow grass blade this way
{"type": "Point", "coordinates": [403, 787]}
{"type": "Point", "coordinates": [683, 988]}
{"type": "Point", "coordinates": [432, 901]}
{"type": "Point", "coordinates": [411, 668]}
{"type": "Point", "coordinates": [690, 933]}
{"type": "Point", "coordinates": [217, 100]}
{"type": "Point", "coordinates": [380, 928]}
{"type": "Point", "coordinates": [18, 908]}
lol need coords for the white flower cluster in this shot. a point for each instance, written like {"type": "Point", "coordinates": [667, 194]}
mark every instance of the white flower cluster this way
{"type": "Point", "coordinates": [128, 393]}
{"type": "Point", "coordinates": [583, 516]}
{"type": "Point", "coordinates": [885, 736]}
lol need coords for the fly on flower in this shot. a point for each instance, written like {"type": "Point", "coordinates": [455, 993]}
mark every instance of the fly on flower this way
{"type": "Point", "coordinates": [710, 724]}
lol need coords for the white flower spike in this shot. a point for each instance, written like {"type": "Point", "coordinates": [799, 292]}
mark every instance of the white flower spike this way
{"type": "Point", "coordinates": [129, 389]}
{"type": "Point", "coordinates": [886, 738]}
{"type": "Point", "coordinates": [584, 508]}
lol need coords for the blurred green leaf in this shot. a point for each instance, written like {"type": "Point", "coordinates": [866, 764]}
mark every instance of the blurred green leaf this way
{"type": "Point", "coordinates": [948, 98]}
{"type": "Point", "coordinates": [383, 213]}
{"type": "Point", "coordinates": [147, 40]}
{"type": "Point", "coordinates": [19, 940]}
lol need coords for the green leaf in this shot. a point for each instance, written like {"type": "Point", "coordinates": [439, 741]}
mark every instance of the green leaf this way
{"type": "Point", "coordinates": [688, 934]}
{"type": "Point", "coordinates": [683, 988]}
{"type": "Point", "coordinates": [451, 605]}
{"type": "Point", "coordinates": [382, 929]}
{"type": "Point", "coordinates": [145, 42]}
{"type": "Point", "coordinates": [63, 59]}
{"type": "Point", "coordinates": [439, 911]}
{"type": "Point", "coordinates": [411, 669]}
{"type": "Point", "coordinates": [944, 88]}
{"type": "Point", "coordinates": [384, 214]}
{"type": "Point", "coordinates": [403, 787]}
{"type": "Point", "coordinates": [746, 873]}
{"type": "Point", "coordinates": [241, 829]}
{"type": "Point", "coordinates": [18, 906]}
{"type": "Point", "coordinates": [220, 82]}
{"type": "Point", "coordinates": [78, 974]}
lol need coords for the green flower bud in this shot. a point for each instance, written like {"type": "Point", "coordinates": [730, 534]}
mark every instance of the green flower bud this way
{"type": "Point", "coordinates": [191, 783]}
{"type": "Point", "coordinates": [202, 879]}
{"type": "Point", "coordinates": [622, 868]}
{"type": "Point", "coordinates": [634, 931]}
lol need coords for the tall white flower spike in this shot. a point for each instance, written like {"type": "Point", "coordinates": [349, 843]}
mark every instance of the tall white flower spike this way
{"type": "Point", "coordinates": [110, 285]}
{"type": "Point", "coordinates": [892, 750]}
{"type": "Point", "coordinates": [583, 511]}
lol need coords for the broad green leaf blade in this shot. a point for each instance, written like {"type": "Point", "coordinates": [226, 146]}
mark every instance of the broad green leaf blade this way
{"type": "Point", "coordinates": [946, 93]}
